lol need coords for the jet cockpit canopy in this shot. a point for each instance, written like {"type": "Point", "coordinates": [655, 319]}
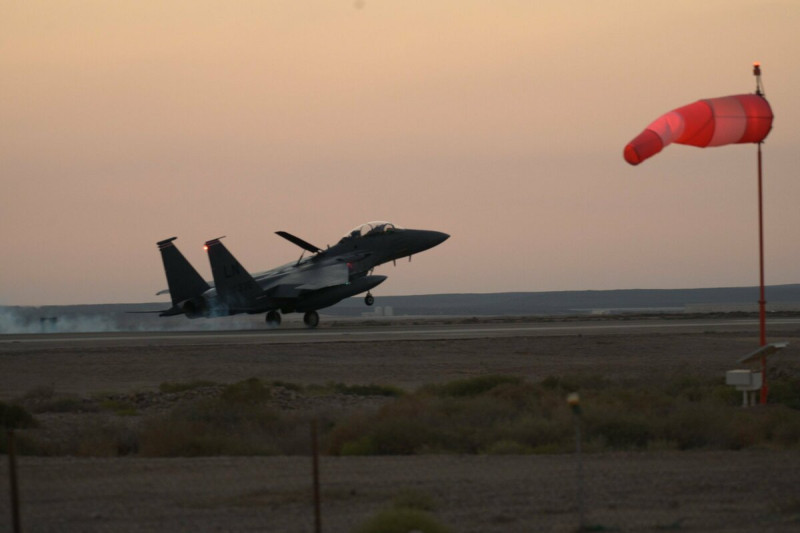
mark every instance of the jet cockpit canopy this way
{"type": "Point", "coordinates": [370, 228]}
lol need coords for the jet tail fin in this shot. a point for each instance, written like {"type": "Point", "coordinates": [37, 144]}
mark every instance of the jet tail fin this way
{"type": "Point", "coordinates": [183, 280]}
{"type": "Point", "coordinates": [235, 287]}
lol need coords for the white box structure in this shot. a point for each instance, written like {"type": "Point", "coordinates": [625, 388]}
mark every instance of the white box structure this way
{"type": "Point", "coordinates": [746, 381]}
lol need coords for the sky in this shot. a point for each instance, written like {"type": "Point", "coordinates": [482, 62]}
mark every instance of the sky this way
{"type": "Point", "coordinates": [501, 123]}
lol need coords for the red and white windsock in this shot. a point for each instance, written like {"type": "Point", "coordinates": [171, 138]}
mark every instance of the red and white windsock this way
{"type": "Point", "coordinates": [741, 118]}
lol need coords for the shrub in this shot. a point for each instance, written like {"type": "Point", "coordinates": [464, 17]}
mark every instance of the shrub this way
{"type": "Point", "coordinates": [288, 386]}
{"type": "Point", "coordinates": [23, 444]}
{"type": "Point", "coordinates": [250, 391]}
{"type": "Point", "coordinates": [698, 425]}
{"type": "Point", "coordinates": [537, 433]}
{"type": "Point", "coordinates": [402, 521]}
{"type": "Point", "coordinates": [15, 417]}
{"type": "Point", "coordinates": [173, 387]}
{"type": "Point", "coordinates": [785, 391]}
{"type": "Point", "coordinates": [368, 390]}
{"type": "Point", "coordinates": [119, 407]}
{"type": "Point", "coordinates": [475, 386]}
{"type": "Point", "coordinates": [176, 437]}
{"type": "Point", "coordinates": [624, 433]}
{"type": "Point", "coordinates": [105, 440]}
{"type": "Point", "coordinates": [402, 436]}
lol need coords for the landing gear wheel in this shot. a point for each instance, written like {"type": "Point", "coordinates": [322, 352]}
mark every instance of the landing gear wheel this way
{"type": "Point", "coordinates": [369, 299]}
{"type": "Point", "coordinates": [273, 319]}
{"type": "Point", "coordinates": [311, 319]}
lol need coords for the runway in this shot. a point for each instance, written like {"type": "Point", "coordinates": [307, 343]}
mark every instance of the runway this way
{"type": "Point", "coordinates": [407, 329]}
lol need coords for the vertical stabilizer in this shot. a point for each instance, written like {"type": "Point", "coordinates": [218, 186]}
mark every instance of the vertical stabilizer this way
{"type": "Point", "coordinates": [235, 287]}
{"type": "Point", "coordinates": [183, 280]}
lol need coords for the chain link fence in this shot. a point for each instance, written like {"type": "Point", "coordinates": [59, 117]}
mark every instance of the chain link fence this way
{"type": "Point", "coordinates": [634, 491]}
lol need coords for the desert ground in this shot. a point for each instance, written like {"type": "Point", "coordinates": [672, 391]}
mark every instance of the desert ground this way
{"type": "Point", "coordinates": [749, 490]}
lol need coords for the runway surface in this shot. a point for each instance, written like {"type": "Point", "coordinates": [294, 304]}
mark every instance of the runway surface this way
{"type": "Point", "coordinates": [422, 329]}
{"type": "Point", "coordinates": [403, 352]}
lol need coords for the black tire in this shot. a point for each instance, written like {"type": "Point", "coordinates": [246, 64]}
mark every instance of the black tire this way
{"type": "Point", "coordinates": [369, 299]}
{"type": "Point", "coordinates": [273, 319]}
{"type": "Point", "coordinates": [311, 319]}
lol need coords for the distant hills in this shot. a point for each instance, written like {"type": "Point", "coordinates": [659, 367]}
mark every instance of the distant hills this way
{"type": "Point", "coordinates": [580, 302]}
{"type": "Point", "coordinates": [116, 317]}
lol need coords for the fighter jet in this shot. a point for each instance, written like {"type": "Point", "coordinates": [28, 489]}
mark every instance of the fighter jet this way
{"type": "Point", "coordinates": [313, 282]}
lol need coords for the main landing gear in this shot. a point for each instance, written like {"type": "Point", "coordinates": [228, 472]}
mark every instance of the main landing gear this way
{"type": "Point", "coordinates": [369, 299]}
{"type": "Point", "coordinates": [311, 319]}
{"type": "Point", "coordinates": [273, 319]}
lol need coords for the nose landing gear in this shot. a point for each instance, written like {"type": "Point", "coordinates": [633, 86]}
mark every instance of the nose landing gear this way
{"type": "Point", "coordinates": [369, 299]}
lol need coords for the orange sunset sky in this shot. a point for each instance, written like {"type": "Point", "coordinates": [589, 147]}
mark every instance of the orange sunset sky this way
{"type": "Point", "coordinates": [501, 123]}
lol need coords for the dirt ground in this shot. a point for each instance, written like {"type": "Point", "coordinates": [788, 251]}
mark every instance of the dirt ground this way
{"type": "Point", "coordinates": [691, 491]}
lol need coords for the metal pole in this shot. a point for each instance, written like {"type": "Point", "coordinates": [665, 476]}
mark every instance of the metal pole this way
{"type": "Point", "coordinates": [574, 401]}
{"type": "Point", "coordinates": [581, 511]}
{"type": "Point", "coordinates": [12, 469]}
{"type": "Point", "coordinates": [315, 473]}
{"type": "Point", "coordinates": [762, 302]}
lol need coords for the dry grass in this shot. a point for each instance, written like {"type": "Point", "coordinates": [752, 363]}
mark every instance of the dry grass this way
{"type": "Point", "coordinates": [493, 415]}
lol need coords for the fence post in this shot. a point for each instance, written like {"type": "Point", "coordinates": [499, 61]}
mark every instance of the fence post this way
{"type": "Point", "coordinates": [315, 474]}
{"type": "Point", "coordinates": [12, 470]}
{"type": "Point", "coordinates": [574, 401]}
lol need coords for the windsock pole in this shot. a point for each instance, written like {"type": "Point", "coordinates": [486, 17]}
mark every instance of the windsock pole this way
{"type": "Point", "coordinates": [762, 302]}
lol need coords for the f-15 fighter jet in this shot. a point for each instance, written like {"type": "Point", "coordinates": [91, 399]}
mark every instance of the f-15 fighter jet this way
{"type": "Point", "coordinates": [313, 282]}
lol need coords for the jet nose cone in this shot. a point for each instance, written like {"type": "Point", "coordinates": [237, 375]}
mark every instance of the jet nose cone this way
{"type": "Point", "coordinates": [426, 239]}
{"type": "Point", "coordinates": [438, 237]}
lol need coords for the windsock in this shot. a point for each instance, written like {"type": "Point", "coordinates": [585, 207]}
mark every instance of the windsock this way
{"type": "Point", "coordinates": [741, 118]}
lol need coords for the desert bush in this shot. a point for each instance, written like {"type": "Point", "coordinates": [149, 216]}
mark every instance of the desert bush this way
{"type": "Point", "coordinates": [14, 416]}
{"type": "Point", "coordinates": [24, 444]}
{"type": "Point", "coordinates": [519, 396]}
{"type": "Point", "coordinates": [118, 407]}
{"type": "Point", "coordinates": [536, 433]}
{"type": "Point", "coordinates": [250, 391]}
{"type": "Point", "coordinates": [103, 439]}
{"type": "Point", "coordinates": [402, 521]}
{"type": "Point", "coordinates": [786, 391]}
{"type": "Point", "coordinates": [288, 386]}
{"type": "Point", "coordinates": [623, 433]}
{"type": "Point", "coordinates": [331, 388]}
{"type": "Point", "coordinates": [473, 386]}
{"type": "Point", "coordinates": [174, 387]}
{"type": "Point", "coordinates": [45, 400]}
{"type": "Point", "coordinates": [240, 422]}
{"type": "Point", "coordinates": [565, 384]}
{"type": "Point", "coordinates": [368, 390]}
{"type": "Point", "coordinates": [404, 436]}
{"type": "Point", "coordinates": [498, 415]}
{"type": "Point", "coordinates": [697, 425]}
{"type": "Point", "coordinates": [169, 437]}
{"type": "Point", "coordinates": [428, 421]}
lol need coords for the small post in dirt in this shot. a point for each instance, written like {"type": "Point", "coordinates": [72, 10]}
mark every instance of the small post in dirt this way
{"type": "Point", "coordinates": [315, 474]}
{"type": "Point", "coordinates": [12, 470]}
{"type": "Point", "coordinates": [574, 401]}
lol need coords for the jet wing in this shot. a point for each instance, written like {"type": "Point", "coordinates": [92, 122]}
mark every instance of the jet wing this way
{"type": "Point", "coordinates": [353, 257]}
{"type": "Point", "coordinates": [310, 277]}
{"type": "Point", "coordinates": [323, 276]}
